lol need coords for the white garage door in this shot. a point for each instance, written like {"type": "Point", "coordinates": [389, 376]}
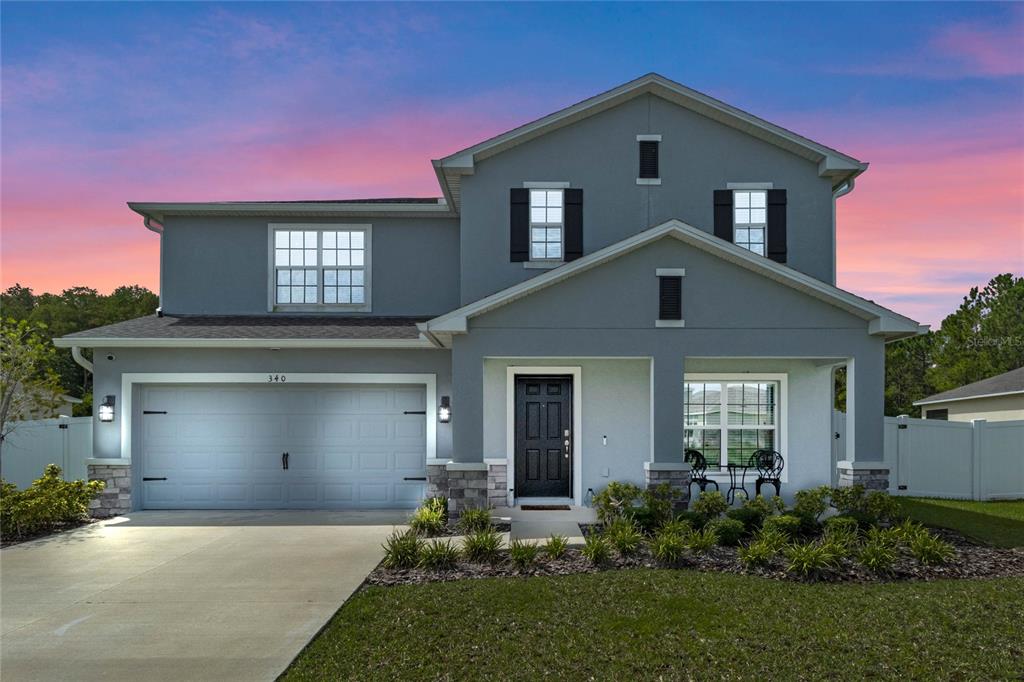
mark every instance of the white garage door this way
{"type": "Point", "coordinates": [276, 447]}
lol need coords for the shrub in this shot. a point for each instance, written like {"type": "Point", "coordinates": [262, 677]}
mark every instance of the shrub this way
{"type": "Point", "coordinates": [46, 504]}
{"type": "Point", "coordinates": [556, 547]}
{"type": "Point", "coordinates": [656, 507]}
{"type": "Point", "coordinates": [691, 517]}
{"type": "Point", "coordinates": [877, 556]}
{"type": "Point", "coordinates": [615, 500]}
{"type": "Point", "coordinates": [729, 531]}
{"type": "Point", "coordinates": [812, 502]}
{"type": "Point", "coordinates": [787, 524]}
{"type": "Point", "coordinates": [523, 553]}
{"type": "Point", "coordinates": [773, 538]}
{"type": "Point", "coordinates": [751, 518]}
{"type": "Point", "coordinates": [757, 554]}
{"type": "Point", "coordinates": [439, 555]}
{"type": "Point", "coordinates": [428, 521]}
{"type": "Point", "coordinates": [710, 504]}
{"type": "Point", "coordinates": [886, 537]}
{"type": "Point", "coordinates": [402, 549]}
{"type": "Point", "coordinates": [843, 532]}
{"type": "Point", "coordinates": [624, 536]}
{"type": "Point", "coordinates": [668, 548]}
{"type": "Point", "coordinates": [482, 546]}
{"type": "Point", "coordinates": [702, 540]}
{"type": "Point", "coordinates": [869, 508]}
{"type": "Point", "coordinates": [809, 560]}
{"type": "Point", "coordinates": [907, 531]}
{"type": "Point", "coordinates": [437, 504]}
{"type": "Point", "coordinates": [766, 506]}
{"type": "Point", "coordinates": [472, 520]}
{"type": "Point", "coordinates": [930, 550]}
{"type": "Point", "coordinates": [597, 550]}
{"type": "Point", "coordinates": [679, 526]}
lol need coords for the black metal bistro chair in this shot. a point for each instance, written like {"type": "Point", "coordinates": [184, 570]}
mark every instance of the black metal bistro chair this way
{"type": "Point", "coordinates": [769, 465]}
{"type": "Point", "coordinates": [698, 470]}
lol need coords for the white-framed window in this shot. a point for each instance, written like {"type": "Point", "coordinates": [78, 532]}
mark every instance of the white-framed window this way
{"type": "Point", "coordinates": [726, 419]}
{"type": "Point", "coordinates": [546, 222]}
{"type": "Point", "coordinates": [750, 218]}
{"type": "Point", "coordinates": [320, 265]}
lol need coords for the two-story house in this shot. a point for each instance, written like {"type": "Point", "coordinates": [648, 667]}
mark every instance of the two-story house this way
{"type": "Point", "coordinates": [648, 271]}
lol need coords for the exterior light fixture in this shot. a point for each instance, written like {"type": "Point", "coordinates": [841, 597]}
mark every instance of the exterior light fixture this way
{"type": "Point", "coordinates": [106, 412]}
{"type": "Point", "coordinates": [444, 413]}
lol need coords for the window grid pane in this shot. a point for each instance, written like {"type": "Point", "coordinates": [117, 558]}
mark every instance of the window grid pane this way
{"type": "Point", "coordinates": [546, 224]}
{"type": "Point", "coordinates": [750, 219]}
{"type": "Point", "coordinates": [750, 424]}
{"type": "Point", "coordinates": [300, 256]}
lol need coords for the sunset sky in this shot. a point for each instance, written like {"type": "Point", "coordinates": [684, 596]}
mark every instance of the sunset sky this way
{"type": "Point", "coordinates": [108, 103]}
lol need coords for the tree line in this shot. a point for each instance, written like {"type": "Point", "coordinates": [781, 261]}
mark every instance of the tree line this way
{"type": "Point", "coordinates": [72, 310]}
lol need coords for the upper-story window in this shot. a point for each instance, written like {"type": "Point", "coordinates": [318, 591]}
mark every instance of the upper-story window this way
{"type": "Point", "coordinates": [323, 266]}
{"type": "Point", "coordinates": [546, 221]}
{"type": "Point", "coordinates": [750, 219]}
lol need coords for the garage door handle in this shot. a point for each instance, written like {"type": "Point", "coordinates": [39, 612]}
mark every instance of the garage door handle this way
{"type": "Point", "coordinates": [154, 478]}
{"type": "Point", "coordinates": [284, 460]}
{"type": "Point", "coordinates": [415, 412]}
{"type": "Point", "coordinates": [415, 478]}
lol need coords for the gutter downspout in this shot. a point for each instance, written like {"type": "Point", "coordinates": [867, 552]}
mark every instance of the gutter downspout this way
{"type": "Point", "coordinates": [840, 191]}
{"type": "Point", "coordinates": [76, 355]}
{"type": "Point", "coordinates": [156, 227]}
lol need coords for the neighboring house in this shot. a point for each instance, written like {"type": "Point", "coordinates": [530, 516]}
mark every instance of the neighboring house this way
{"type": "Point", "coordinates": [996, 399]}
{"type": "Point", "coordinates": [647, 270]}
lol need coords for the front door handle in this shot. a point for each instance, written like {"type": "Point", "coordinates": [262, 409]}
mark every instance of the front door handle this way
{"type": "Point", "coordinates": [567, 443]}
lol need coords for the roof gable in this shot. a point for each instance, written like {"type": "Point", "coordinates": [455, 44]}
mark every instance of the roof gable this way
{"type": "Point", "coordinates": [880, 320]}
{"type": "Point", "coordinates": [832, 163]}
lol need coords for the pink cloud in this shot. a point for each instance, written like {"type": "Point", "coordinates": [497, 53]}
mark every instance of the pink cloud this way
{"type": "Point", "coordinates": [964, 49]}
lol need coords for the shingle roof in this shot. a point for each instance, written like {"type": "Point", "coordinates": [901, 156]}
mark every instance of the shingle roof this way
{"type": "Point", "coordinates": [1010, 382]}
{"type": "Point", "coordinates": [269, 327]}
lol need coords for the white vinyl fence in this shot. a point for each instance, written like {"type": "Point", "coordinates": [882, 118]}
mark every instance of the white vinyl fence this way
{"type": "Point", "coordinates": [977, 460]}
{"type": "Point", "coordinates": [34, 444]}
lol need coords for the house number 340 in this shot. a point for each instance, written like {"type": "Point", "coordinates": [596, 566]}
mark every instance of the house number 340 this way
{"type": "Point", "coordinates": [276, 378]}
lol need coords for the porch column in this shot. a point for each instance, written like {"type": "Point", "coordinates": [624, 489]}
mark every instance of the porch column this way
{"type": "Point", "coordinates": [865, 407]}
{"type": "Point", "coordinates": [666, 465]}
{"type": "Point", "coordinates": [667, 397]}
{"type": "Point", "coordinates": [467, 405]}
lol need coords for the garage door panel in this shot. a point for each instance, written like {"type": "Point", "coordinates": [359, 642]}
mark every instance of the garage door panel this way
{"type": "Point", "coordinates": [221, 447]}
{"type": "Point", "coordinates": [339, 493]}
{"type": "Point", "coordinates": [338, 461]}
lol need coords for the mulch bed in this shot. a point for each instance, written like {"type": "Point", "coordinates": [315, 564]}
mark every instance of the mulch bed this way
{"type": "Point", "coordinates": [970, 560]}
{"type": "Point", "coordinates": [62, 528]}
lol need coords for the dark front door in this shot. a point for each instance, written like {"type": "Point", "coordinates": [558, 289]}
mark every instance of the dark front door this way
{"type": "Point", "coordinates": [543, 436]}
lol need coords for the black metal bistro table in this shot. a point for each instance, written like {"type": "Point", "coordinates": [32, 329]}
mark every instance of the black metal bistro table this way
{"type": "Point", "coordinates": [737, 474]}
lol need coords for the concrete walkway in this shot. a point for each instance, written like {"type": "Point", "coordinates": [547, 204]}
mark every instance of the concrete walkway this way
{"type": "Point", "coordinates": [540, 525]}
{"type": "Point", "coordinates": [181, 595]}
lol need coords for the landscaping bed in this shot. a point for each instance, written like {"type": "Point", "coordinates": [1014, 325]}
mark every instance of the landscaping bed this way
{"type": "Point", "coordinates": [55, 529]}
{"type": "Point", "coordinates": [828, 535]}
{"type": "Point", "coordinates": [970, 560]}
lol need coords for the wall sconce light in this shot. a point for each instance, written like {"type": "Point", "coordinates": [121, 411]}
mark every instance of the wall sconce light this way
{"type": "Point", "coordinates": [106, 411]}
{"type": "Point", "coordinates": [444, 413]}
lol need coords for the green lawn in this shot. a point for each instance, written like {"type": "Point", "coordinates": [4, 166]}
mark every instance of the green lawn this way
{"type": "Point", "coordinates": [647, 624]}
{"type": "Point", "coordinates": [995, 523]}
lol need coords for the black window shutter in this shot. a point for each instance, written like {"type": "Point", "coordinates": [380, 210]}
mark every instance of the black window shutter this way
{"type": "Point", "coordinates": [776, 246]}
{"type": "Point", "coordinates": [670, 298]}
{"type": "Point", "coordinates": [519, 229]}
{"type": "Point", "coordinates": [649, 159]}
{"type": "Point", "coordinates": [573, 223]}
{"type": "Point", "coordinates": [723, 214]}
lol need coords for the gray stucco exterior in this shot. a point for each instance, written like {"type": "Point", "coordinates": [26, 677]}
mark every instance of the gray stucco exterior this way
{"type": "Point", "coordinates": [610, 311]}
{"type": "Point", "coordinates": [218, 266]}
{"type": "Point", "coordinates": [599, 155]}
{"type": "Point", "coordinates": [601, 321]}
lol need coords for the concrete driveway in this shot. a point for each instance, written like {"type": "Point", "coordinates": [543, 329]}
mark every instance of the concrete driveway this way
{"type": "Point", "coordinates": [181, 595]}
